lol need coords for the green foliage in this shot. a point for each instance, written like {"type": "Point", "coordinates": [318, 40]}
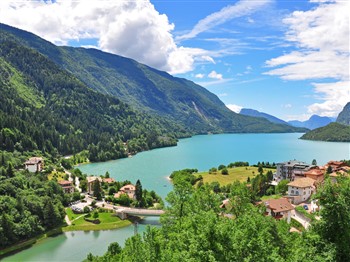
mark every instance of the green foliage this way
{"type": "Point", "coordinates": [29, 205]}
{"type": "Point", "coordinates": [72, 117]}
{"type": "Point", "coordinates": [224, 171]}
{"type": "Point", "coordinates": [193, 230]}
{"type": "Point", "coordinates": [282, 187]}
{"type": "Point", "coordinates": [334, 226]}
{"type": "Point", "coordinates": [185, 175]}
{"type": "Point", "coordinates": [97, 189]}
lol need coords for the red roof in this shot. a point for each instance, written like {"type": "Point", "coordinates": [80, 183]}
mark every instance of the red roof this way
{"type": "Point", "coordinates": [64, 183]}
{"type": "Point", "coordinates": [279, 205]}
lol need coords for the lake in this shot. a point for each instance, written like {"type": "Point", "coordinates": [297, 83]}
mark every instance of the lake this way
{"type": "Point", "coordinates": [153, 168]}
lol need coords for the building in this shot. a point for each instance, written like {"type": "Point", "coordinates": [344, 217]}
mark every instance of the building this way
{"type": "Point", "coordinates": [300, 189]}
{"type": "Point", "coordinates": [34, 164]}
{"type": "Point", "coordinates": [279, 208]}
{"type": "Point", "coordinates": [90, 183]}
{"type": "Point", "coordinates": [335, 165]}
{"type": "Point", "coordinates": [108, 180]}
{"type": "Point", "coordinates": [129, 190]}
{"type": "Point", "coordinates": [291, 169]}
{"type": "Point", "coordinates": [315, 174]}
{"type": "Point", "coordinates": [67, 186]}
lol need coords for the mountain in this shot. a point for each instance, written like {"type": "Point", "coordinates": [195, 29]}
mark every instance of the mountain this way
{"type": "Point", "coordinates": [145, 89]}
{"type": "Point", "coordinates": [344, 115]}
{"type": "Point", "coordinates": [333, 132]}
{"type": "Point", "coordinates": [44, 107]}
{"type": "Point", "coordinates": [313, 122]}
{"type": "Point", "coordinates": [255, 113]}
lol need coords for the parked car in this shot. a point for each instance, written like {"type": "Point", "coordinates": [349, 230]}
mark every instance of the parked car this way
{"type": "Point", "coordinates": [306, 207]}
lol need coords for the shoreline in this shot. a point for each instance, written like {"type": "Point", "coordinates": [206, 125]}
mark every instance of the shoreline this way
{"type": "Point", "coordinates": [11, 250]}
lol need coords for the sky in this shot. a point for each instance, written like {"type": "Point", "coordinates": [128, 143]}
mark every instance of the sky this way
{"type": "Point", "coordinates": [286, 58]}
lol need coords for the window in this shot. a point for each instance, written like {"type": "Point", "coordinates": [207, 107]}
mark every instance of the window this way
{"type": "Point", "coordinates": [292, 192]}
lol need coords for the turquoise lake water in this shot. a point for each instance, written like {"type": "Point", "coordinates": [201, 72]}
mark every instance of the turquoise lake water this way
{"type": "Point", "coordinates": [153, 167]}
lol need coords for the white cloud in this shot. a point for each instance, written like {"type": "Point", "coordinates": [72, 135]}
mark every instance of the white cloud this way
{"type": "Point", "coordinates": [287, 106]}
{"type": "Point", "coordinates": [334, 97]}
{"type": "Point", "coordinates": [241, 8]}
{"type": "Point", "coordinates": [301, 117]}
{"type": "Point", "coordinates": [133, 29]}
{"type": "Point", "coordinates": [234, 108]}
{"type": "Point", "coordinates": [321, 38]}
{"type": "Point", "coordinates": [213, 74]}
{"type": "Point", "coordinates": [199, 76]}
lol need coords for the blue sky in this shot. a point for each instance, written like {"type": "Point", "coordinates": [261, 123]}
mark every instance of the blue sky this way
{"type": "Point", "coordinates": [286, 58]}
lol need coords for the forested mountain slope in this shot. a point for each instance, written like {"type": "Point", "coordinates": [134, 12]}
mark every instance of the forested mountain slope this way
{"type": "Point", "coordinates": [146, 89]}
{"type": "Point", "coordinates": [44, 107]}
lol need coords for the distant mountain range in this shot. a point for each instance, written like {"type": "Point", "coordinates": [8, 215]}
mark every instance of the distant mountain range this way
{"type": "Point", "coordinates": [255, 113]}
{"type": "Point", "coordinates": [313, 122]}
{"type": "Point", "coordinates": [333, 132]}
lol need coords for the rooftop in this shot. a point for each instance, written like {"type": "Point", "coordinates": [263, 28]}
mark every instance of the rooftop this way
{"type": "Point", "coordinates": [279, 205]}
{"type": "Point", "coordinates": [64, 183]}
{"type": "Point", "coordinates": [34, 160]}
{"type": "Point", "coordinates": [315, 172]}
{"type": "Point", "coordinates": [302, 182]}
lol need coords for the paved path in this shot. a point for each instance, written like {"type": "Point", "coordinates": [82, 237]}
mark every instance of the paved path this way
{"type": "Point", "coordinates": [305, 222]}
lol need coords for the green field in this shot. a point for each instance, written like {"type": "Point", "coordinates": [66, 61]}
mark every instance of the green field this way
{"type": "Point", "coordinates": [234, 174]}
{"type": "Point", "coordinates": [108, 221]}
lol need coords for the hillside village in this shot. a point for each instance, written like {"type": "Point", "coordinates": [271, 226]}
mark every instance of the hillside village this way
{"type": "Point", "coordinates": [304, 180]}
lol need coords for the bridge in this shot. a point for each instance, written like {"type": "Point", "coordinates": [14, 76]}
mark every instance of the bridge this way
{"type": "Point", "coordinates": [123, 213]}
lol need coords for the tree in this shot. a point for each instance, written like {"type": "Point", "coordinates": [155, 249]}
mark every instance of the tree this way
{"type": "Point", "coordinates": [282, 187]}
{"type": "Point", "coordinates": [9, 170]}
{"type": "Point", "coordinates": [107, 175]}
{"type": "Point", "coordinates": [314, 162]}
{"type": "Point", "coordinates": [138, 191]}
{"type": "Point", "coordinates": [2, 163]}
{"type": "Point", "coordinates": [224, 171]}
{"type": "Point", "coordinates": [114, 248]}
{"type": "Point", "coordinates": [97, 189]}
{"type": "Point", "coordinates": [220, 167]}
{"type": "Point", "coordinates": [260, 169]}
{"type": "Point", "coordinates": [329, 169]}
{"type": "Point", "coordinates": [334, 227]}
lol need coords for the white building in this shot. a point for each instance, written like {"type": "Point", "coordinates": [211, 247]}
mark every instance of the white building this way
{"type": "Point", "coordinates": [300, 189]}
{"type": "Point", "coordinates": [34, 164]}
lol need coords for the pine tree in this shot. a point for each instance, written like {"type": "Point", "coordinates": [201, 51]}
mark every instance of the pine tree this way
{"type": "Point", "coordinates": [138, 191]}
{"type": "Point", "coordinates": [97, 190]}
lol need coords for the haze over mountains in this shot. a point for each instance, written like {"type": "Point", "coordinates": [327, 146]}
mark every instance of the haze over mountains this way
{"type": "Point", "coordinates": [145, 89]}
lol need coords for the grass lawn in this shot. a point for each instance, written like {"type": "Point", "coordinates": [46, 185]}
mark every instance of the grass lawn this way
{"type": "Point", "coordinates": [108, 221]}
{"type": "Point", "coordinates": [234, 174]}
{"type": "Point", "coordinates": [55, 174]}
{"type": "Point", "coordinates": [277, 196]}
